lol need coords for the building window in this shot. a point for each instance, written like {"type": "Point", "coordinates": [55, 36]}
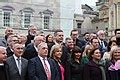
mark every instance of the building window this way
{"type": "Point", "coordinates": [27, 19]}
{"type": "Point", "coordinates": [46, 22]}
{"type": "Point", "coordinates": [6, 18]}
{"type": "Point", "coordinates": [78, 25]}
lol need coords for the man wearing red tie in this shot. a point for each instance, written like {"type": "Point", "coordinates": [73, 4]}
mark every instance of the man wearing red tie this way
{"type": "Point", "coordinates": [40, 67]}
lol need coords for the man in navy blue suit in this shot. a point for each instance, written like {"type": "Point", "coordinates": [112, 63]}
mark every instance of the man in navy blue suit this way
{"type": "Point", "coordinates": [40, 67]}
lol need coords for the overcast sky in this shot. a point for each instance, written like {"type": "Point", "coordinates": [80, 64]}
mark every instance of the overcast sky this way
{"type": "Point", "coordinates": [79, 2]}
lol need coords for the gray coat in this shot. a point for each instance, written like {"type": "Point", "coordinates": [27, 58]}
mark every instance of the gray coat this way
{"type": "Point", "coordinates": [13, 70]}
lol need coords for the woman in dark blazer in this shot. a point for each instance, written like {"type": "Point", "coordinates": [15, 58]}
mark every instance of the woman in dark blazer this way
{"type": "Point", "coordinates": [93, 70]}
{"type": "Point", "coordinates": [113, 66]}
{"type": "Point", "coordinates": [76, 67]}
{"type": "Point", "coordinates": [55, 53]}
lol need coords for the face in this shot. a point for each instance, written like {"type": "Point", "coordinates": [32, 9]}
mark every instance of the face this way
{"type": "Point", "coordinates": [117, 34]}
{"type": "Point", "coordinates": [113, 38]}
{"type": "Point", "coordinates": [38, 40]}
{"type": "Point", "coordinates": [22, 39]}
{"type": "Point", "coordinates": [9, 31]}
{"type": "Point", "coordinates": [43, 50]}
{"type": "Point", "coordinates": [95, 43]}
{"type": "Point", "coordinates": [58, 53]}
{"type": "Point", "coordinates": [116, 54]}
{"type": "Point", "coordinates": [77, 55]}
{"type": "Point", "coordinates": [74, 35]}
{"type": "Point", "coordinates": [59, 36]}
{"type": "Point", "coordinates": [113, 44]}
{"type": "Point", "coordinates": [18, 49]}
{"type": "Point", "coordinates": [3, 55]}
{"type": "Point", "coordinates": [50, 38]}
{"type": "Point", "coordinates": [13, 41]}
{"type": "Point", "coordinates": [70, 43]}
{"type": "Point", "coordinates": [93, 36]}
{"type": "Point", "coordinates": [96, 55]}
{"type": "Point", "coordinates": [87, 36]}
{"type": "Point", "coordinates": [33, 30]}
{"type": "Point", "coordinates": [101, 35]}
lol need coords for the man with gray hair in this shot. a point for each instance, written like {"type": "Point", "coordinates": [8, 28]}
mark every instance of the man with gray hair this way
{"type": "Point", "coordinates": [31, 49]}
{"type": "Point", "coordinates": [3, 66]}
{"type": "Point", "coordinates": [41, 67]}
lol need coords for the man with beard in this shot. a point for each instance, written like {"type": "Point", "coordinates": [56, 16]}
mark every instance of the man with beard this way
{"type": "Point", "coordinates": [32, 31]}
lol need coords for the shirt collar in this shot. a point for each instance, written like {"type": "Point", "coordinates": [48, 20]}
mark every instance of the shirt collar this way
{"type": "Point", "coordinates": [41, 58]}
{"type": "Point", "coordinates": [1, 64]}
{"type": "Point", "coordinates": [15, 57]}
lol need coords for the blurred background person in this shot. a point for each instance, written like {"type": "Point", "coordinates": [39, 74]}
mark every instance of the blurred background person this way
{"type": "Point", "coordinates": [50, 43]}
{"type": "Point", "coordinates": [12, 39]}
{"type": "Point", "coordinates": [102, 41]}
{"type": "Point", "coordinates": [113, 65]}
{"type": "Point", "coordinates": [22, 39]}
{"type": "Point", "coordinates": [111, 46]}
{"type": "Point", "coordinates": [93, 70]}
{"type": "Point", "coordinates": [8, 31]}
{"type": "Point", "coordinates": [32, 32]}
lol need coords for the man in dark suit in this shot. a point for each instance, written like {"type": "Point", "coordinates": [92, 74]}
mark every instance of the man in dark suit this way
{"type": "Point", "coordinates": [40, 67]}
{"type": "Point", "coordinates": [31, 49]}
{"type": "Point", "coordinates": [17, 66]}
{"type": "Point", "coordinates": [12, 39]}
{"type": "Point", "coordinates": [3, 66]}
{"type": "Point", "coordinates": [77, 42]}
{"type": "Point", "coordinates": [102, 42]}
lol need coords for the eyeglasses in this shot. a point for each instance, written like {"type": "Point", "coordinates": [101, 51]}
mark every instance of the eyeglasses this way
{"type": "Point", "coordinates": [19, 48]}
{"type": "Point", "coordinates": [44, 48]}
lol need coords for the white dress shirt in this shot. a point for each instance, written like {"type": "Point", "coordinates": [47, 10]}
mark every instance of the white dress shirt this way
{"type": "Point", "coordinates": [46, 61]}
{"type": "Point", "coordinates": [16, 61]}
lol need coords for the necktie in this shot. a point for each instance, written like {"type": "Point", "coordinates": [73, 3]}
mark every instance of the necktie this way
{"type": "Point", "coordinates": [19, 65]}
{"type": "Point", "coordinates": [48, 73]}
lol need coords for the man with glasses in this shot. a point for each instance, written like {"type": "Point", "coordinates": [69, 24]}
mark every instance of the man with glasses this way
{"type": "Point", "coordinates": [12, 39]}
{"type": "Point", "coordinates": [17, 66]}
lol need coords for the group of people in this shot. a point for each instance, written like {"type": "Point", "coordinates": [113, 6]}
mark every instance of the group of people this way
{"type": "Point", "coordinates": [46, 57]}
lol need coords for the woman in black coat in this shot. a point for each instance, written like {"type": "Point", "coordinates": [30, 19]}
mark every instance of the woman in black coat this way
{"type": "Point", "coordinates": [55, 53]}
{"type": "Point", "coordinates": [113, 66]}
{"type": "Point", "coordinates": [93, 70]}
{"type": "Point", "coordinates": [76, 67]}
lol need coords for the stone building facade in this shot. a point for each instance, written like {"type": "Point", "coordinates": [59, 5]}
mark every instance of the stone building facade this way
{"type": "Point", "coordinates": [19, 14]}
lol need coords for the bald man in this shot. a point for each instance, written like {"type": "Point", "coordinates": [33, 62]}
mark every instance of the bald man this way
{"type": "Point", "coordinates": [3, 66]}
{"type": "Point", "coordinates": [31, 49]}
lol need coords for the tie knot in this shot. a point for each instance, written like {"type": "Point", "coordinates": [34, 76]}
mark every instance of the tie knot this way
{"type": "Point", "coordinates": [18, 59]}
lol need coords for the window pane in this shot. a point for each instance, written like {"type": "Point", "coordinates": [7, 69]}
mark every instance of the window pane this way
{"type": "Point", "coordinates": [27, 20]}
{"type": "Point", "coordinates": [6, 19]}
{"type": "Point", "coordinates": [46, 22]}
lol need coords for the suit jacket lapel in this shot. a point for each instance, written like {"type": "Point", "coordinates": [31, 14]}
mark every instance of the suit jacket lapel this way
{"type": "Point", "coordinates": [41, 65]}
{"type": "Point", "coordinates": [51, 66]}
{"type": "Point", "coordinates": [14, 64]}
